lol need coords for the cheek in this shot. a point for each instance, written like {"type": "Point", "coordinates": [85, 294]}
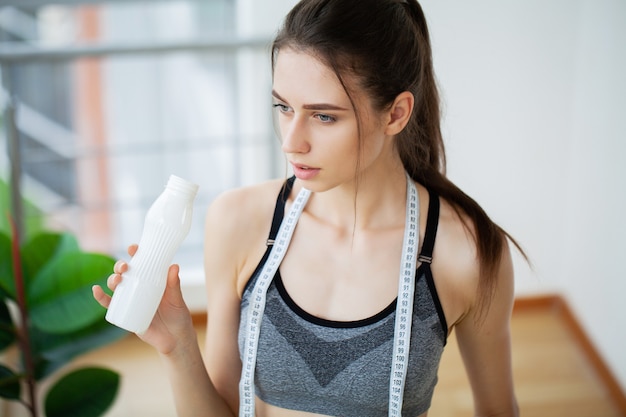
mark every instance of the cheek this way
{"type": "Point", "coordinates": [373, 138]}
{"type": "Point", "coordinates": [345, 141]}
{"type": "Point", "coordinates": [373, 145]}
{"type": "Point", "coordinates": [282, 124]}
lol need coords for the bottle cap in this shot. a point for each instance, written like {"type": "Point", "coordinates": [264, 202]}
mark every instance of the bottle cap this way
{"type": "Point", "coordinates": [178, 184]}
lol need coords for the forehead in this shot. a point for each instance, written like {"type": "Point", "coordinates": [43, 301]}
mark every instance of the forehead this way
{"type": "Point", "coordinates": [302, 77]}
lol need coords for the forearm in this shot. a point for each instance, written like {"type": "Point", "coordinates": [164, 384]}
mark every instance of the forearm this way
{"type": "Point", "coordinates": [194, 393]}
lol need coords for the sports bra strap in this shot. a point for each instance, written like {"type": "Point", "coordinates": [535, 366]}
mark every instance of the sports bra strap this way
{"type": "Point", "coordinates": [432, 221]}
{"type": "Point", "coordinates": [279, 211]}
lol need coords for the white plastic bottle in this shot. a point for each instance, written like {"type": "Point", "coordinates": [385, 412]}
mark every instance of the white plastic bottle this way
{"type": "Point", "coordinates": [167, 223]}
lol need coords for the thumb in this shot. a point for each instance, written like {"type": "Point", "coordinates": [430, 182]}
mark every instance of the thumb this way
{"type": "Point", "coordinates": [173, 291]}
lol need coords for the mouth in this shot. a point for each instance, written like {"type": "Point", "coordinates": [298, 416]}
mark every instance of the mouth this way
{"type": "Point", "coordinates": [302, 167]}
{"type": "Point", "coordinates": [304, 172]}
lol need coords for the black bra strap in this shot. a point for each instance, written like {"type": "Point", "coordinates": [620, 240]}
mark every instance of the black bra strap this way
{"type": "Point", "coordinates": [426, 255]}
{"type": "Point", "coordinates": [279, 211]}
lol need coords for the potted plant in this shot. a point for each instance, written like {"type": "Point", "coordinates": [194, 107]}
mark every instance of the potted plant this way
{"type": "Point", "coordinates": [47, 311]}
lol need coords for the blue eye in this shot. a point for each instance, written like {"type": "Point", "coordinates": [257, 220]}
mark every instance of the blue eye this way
{"type": "Point", "coordinates": [281, 107]}
{"type": "Point", "coordinates": [324, 118]}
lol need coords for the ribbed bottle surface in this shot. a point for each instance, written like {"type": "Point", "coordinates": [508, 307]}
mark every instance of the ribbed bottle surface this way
{"type": "Point", "coordinates": [166, 225]}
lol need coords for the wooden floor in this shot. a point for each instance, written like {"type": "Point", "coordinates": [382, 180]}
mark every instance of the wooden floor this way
{"type": "Point", "coordinates": [554, 375]}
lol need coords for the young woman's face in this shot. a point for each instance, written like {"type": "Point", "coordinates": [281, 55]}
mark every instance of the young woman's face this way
{"type": "Point", "coordinates": [318, 123]}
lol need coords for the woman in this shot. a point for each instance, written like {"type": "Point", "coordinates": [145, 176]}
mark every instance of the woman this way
{"type": "Point", "coordinates": [346, 308]}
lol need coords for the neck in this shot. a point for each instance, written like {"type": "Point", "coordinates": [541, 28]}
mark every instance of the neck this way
{"type": "Point", "coordinates": [372, 201]}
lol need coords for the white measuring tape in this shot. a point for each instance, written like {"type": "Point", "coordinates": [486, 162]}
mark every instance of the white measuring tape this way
{"type": "Point", "coordinates": [404, 307]}
{"type": "Point", "coordinates": [257, 303]}
{"type": "Point", "coordinates": [404, 304]}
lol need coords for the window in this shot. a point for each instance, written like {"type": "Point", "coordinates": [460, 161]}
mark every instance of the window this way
{"type": "Point", "coordinates": [117, 96]}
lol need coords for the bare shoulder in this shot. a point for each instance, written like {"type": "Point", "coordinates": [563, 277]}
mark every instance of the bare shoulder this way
{"type": "Point", "coordinates": [237, 204]}
{"type": "Point", "coordinates": [456, 269]}
{"type": "Point", "coordinates": [236, 226]}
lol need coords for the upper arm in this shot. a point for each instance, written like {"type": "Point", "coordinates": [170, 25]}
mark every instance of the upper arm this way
{"type": "Point", "coordinates": [221, 354]}
{"type": "Point", "coordinates": [236, 228]}
{"type": "Point", "coordinates": [485, 344]}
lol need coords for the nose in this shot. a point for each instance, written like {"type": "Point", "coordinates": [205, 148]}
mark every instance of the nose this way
{"type": "Point", "coordinates": [294, 136]}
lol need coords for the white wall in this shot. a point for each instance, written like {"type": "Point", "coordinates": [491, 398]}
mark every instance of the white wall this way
{"type": "Point", "coordinates": [594, 272]}
{"type": "Point", "coordinates": [535, 123]}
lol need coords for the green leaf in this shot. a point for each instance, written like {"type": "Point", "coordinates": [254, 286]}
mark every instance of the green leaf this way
{"type": "Point", "coordinates": [7, 330]}
{"type": "Point", "coordinates": [7, 282]}
{"type": "Point", "coordinates": [87, 392]}
{"type": "Point", "coordinates": [52, 351]}
{"type": "Point", "coordinates": [60, 298]}
{"type": "Point", "coordinates": [41, 249]}
{"type": "Point", "coordinates": [9, 384]}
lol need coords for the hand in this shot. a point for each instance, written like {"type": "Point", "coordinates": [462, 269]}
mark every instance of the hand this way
{"type": "Point", "coordinates": [172, 326]}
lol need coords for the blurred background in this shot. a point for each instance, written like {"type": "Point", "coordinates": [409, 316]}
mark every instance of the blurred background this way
{"type": "Point", "coordinates": [102, 100]}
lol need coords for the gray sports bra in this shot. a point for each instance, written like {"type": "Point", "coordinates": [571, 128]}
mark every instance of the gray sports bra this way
{"type": "Point", "coordinates": [340, 368]}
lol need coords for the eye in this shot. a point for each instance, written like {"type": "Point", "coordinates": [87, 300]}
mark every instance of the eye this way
{"type": "Point", "coordinates": [281, 107]}
{"type": "Point", "coordinates": [325, 118]}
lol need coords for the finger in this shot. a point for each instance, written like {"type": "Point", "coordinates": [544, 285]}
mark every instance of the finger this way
{"type": "Point", "coordinates": [120, 267]}
{"type": "Point", "coordinates": [100, 296]}
{"type": "Point", "coordinates": [173, 280]}
{"type": "Point", "coordinates": [174, 292]}
{"type": "Point", "coordinates": [132, 249]}
{"type": "Point", "coordinates": [113, 281]}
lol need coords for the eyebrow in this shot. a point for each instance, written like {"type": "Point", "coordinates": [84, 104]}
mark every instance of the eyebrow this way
{"type": "Point", "coordinates": [315, 106]}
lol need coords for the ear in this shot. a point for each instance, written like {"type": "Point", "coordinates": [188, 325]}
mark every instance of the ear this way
{"type": "Point", "coordinates": [399, 113]}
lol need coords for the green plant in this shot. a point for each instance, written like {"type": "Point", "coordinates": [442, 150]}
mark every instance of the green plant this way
{"type": "Point", "coordinates": [47, 310]}
{"type": "Point", "coordinates": [33, 215]}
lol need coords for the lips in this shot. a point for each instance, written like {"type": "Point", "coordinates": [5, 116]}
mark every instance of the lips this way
{"type": "Point", "coordinates": [298, 166]}
{"type": "Point", "coordinates": [304, 172]}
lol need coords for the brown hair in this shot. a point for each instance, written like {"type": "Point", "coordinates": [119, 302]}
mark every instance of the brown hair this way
{"type": "Point", "coordinates": [385, 45]}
